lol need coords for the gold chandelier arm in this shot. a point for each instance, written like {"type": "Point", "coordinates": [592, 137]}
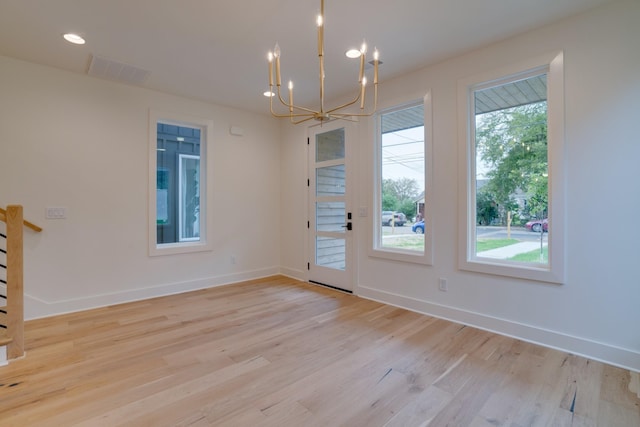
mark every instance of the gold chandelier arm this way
{"type": "Point", "coordinates": [281, 115]}
{"type": "Point", "coordinates": [307, 116]}
{"type": "Point", "coordinates": [280, 97]}
{"type": "Point", "coordinates": [273, 113]}
{"type": "Point", "coordinates": [357, 98]}
{"type": "Point", "coordinates": [360, 78]}
{"type": "Point", "coordinates": [375, 105]}
{"type": "Point", "coordinates": [344, 115]}
{"type": "Point", "coordinates": [291, 116]}
{"type": "Point", "coordinates": [301, 121]}
{"type": "Point", "coordinates": [286, 104]}
{"type": "Point", "coordinates": [310, 114]}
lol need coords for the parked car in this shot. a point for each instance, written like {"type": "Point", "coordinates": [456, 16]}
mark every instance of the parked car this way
{"type": "Point", "coordinates": [391, 218]}
{"type": "Point", "coordinates": [537, 225]}
{"type": "Point", "coordinates": [418, 227]}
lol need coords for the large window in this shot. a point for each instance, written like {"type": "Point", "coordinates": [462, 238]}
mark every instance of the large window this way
{"type": "Point", "coordinates": [178, 153]}
{"type": "Point", "coordinates": [402, 218]}
{"type": "Point", "coordinates": [513, 215]}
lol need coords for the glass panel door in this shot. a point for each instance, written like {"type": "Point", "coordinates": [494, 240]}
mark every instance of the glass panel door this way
{"type": "Point", "coordinates": [331, 220]}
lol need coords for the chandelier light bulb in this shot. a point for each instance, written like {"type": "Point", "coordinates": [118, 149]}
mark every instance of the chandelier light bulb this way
{"type": "Point", "coordinates": [363, 53]}
{"type": "Point", "coordinates": [276, 51]}
{"type": "Point", "coordinates": [270, 58]}
{"type": "Point", "coordinates": [290, 97]}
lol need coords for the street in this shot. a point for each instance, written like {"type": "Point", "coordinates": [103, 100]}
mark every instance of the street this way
{"type": "Point", "coordinates": [519, 233]}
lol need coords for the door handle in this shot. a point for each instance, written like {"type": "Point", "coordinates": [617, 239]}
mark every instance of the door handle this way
{"type": "Point", "coordinates": [348, 226]}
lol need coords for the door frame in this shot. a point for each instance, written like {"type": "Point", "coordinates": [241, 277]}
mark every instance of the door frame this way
{"type": "Point", "coordinates": [350, 130]}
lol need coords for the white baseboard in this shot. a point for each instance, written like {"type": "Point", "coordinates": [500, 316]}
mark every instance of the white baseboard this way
{"type": "Point", "coordinates": [624, 358]}
{"type": "Point", "coordinates": [293, 273]}
{"type": "Point", "coordinates": [37, 308]}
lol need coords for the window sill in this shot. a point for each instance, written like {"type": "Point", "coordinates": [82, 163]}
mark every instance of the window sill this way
{"type": "Point", "coordinates": [179, 248]}
{"type": "Point", "coordinates": [399, 255]}
{"type": "Point", "coordinates": [534, 272]}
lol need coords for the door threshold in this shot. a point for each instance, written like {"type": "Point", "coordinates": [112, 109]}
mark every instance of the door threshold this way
{"type": "Point", "coordinates": [330, 286]}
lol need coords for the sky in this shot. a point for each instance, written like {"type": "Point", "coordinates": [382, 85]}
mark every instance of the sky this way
{"type": "Point", "coordinates": [403, 155]}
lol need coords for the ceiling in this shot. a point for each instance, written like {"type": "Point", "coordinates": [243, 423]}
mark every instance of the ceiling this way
{"type": "Point", "coordinates": [216, 50]}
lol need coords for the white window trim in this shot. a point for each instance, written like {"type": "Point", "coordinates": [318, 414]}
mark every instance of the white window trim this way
{"type": "Point", "coordinates": [377, 251]}
{"type": "Point", "coordinates": [205, 243]}
{"type": "Point", "coordinates": [555, 271]}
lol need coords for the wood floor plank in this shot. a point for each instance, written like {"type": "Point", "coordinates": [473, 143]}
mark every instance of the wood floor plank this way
{"type": "Point", "coordinates": [279, 352]}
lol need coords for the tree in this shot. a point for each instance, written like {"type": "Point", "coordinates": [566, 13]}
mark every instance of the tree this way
{"type": "Point", "coordinates": [486, 208]}
{"type": "Point", "coordinates": [401, 188]}
{"type": "Point", "coordinates": [513, 144]}
{"type": "Point", "coordinates": [389, 202]}
{"type": "Point", "coordinates": [399, 195]}
{"type": "Point", "coordinates": [408, 208]}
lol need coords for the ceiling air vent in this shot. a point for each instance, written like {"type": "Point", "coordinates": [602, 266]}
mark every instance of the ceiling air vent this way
{"type": "Point", "coordinates": [118, 71]}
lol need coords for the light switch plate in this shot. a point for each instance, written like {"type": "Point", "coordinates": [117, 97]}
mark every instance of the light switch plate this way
{"type": "Point", "coordinates": [55, 213]}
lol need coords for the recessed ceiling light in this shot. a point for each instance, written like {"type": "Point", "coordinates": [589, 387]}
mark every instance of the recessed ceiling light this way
{"type": "Point", "coordinates": [73, 38]}
{"type": "Point", "coordinates": [269, 94]}
{"type": "Point", "coordinates": [353, 53]}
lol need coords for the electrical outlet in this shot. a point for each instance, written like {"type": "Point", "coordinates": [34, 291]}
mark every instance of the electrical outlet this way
{"type": "Point", "coordinates": [442, 284]}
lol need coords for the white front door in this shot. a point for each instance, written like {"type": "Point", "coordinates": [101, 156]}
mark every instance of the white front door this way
{"type": "Point", "coordinates": [330, 212]}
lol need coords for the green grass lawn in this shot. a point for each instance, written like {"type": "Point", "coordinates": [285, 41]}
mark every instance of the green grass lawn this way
{"type": "Point", "coordinates": [416, 243]}
{"type": "Point", "coordinates": [533, 256]}
{"type": "Point", "coordinates": [412, 243]}
{"type": "Point", "coordinates": [488, 244]}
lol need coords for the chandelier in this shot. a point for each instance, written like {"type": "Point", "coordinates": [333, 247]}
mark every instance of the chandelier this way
{"type": "Point", "coordinates": [298, 114]}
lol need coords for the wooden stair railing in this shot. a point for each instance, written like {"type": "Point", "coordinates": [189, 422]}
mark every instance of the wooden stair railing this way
{"type": "Point", "coordinates": [13, 311]}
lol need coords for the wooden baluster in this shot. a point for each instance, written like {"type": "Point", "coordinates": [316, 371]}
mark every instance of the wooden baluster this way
{"type": "Point", "coordinates": [15, 291]}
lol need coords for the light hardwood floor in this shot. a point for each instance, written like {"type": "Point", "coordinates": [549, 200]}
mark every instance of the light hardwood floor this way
{"type": "Point", "coordinates": [278, 352]}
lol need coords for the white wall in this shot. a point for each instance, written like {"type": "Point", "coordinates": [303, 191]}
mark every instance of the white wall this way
{"type": "Point", "coordinates": [597, 311]}
{"type": "Point", "coordinates": [293, 213]}
{"type": "Point", "coordinates": [82, 143]}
